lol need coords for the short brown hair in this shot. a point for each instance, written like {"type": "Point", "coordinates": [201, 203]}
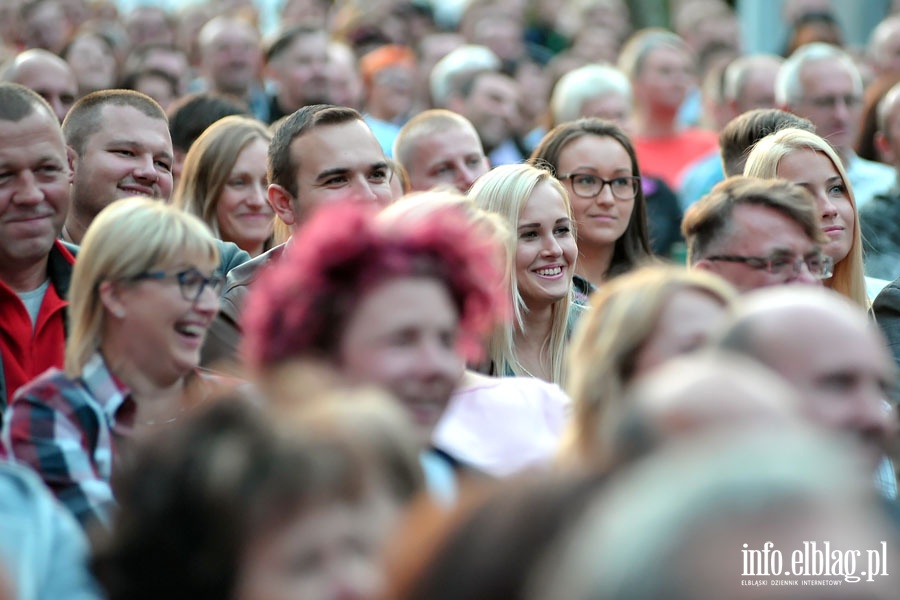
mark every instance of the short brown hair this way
{"type": "Point", "coordinates": [709, 220]}
{"type": "Point", "coordinates": [83, 119]}
{"type": "Point", "coordinates": [742, 132]}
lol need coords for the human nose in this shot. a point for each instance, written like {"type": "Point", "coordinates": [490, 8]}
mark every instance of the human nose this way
{"type": "Point", "coordinates": [802, 274]}
{"type": "Point", "coordinates": [258, 197]}
{"type": "Point", "coordinates": [145, 169]}
{"type": "Point", "coordinates": [605, 195]}
{"type": "Point", "coordinates": [826, 207]}
{"type": "Point", "coordinates": [465, 177]}
{"type": "Point", "coordinates": [28, 192]}
{"type": "Point", "coordinates": [207, 301]}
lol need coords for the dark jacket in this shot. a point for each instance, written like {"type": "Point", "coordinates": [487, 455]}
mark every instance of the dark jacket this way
{"type": "Point", "coordinates": [225, 333]}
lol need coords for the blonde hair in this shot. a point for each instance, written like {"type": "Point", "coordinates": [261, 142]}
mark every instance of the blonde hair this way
{"type": "Point", "coordinates": [623, 315]}
{"type": "Point", "coordinates": [849, 273]}
{"type": "Point", "coordinates": [505, 190]}
{"type": "Point", "coordinates": [129, 237]}
{"type": "Point", "coordinates": [208, 165]}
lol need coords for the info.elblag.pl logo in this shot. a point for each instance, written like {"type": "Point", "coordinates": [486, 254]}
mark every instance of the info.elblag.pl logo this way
{"type": "Point", "coordinates": [816, 560]}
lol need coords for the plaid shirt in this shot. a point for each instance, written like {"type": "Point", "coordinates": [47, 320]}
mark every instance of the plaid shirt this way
{"type": "Point", "coordinates": [66, 430]}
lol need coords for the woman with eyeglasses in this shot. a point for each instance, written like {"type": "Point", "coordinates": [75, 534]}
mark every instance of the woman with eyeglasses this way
{"type": "Point", "coordinates": [596, 163]}
{"type": "Point", "coordinates": [144, 291]}
{"type": "Point", "coordinates": [809, 161]}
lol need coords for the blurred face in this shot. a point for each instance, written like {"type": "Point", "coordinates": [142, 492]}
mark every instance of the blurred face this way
{"type": "Point", "coordinates": [545, 248]}
{"type": "Point", "coordinates": [34, 190]}
{"type": "Point", "coordinates": [243, 212]}
{"type": "Point", "coordinates": [452, 156]}
{"type": "Point", "coordinates": [832, 101]}
{"type": "Point", "coordinates": [391, 93]}
{"type": "Point", "coordinates": [54, 82]}
{"type": "Point", "coordinates": [232, 58]}
{"type": "Point", "coordinates": [613, 107]}
{"type": "Point", "coordinates": [340, 162]}
{"type": "Point", "coordinates": [131, 155]}
{"type": "Point", "coordinates": [324, 553]}
{"type": "Point", "coordinates": [815, 172]}
{"type": "Point", "coordinates": [162, 328]}
{"type": "Point", "coordinates": [843, 372]}
{"type": "Point", "coordinates": [302, 71]}
{"type": "Point", "coordinates": [92, 62]}
{"type": "Point", "coordinates": [665, 78]}
{"type": "Point", "coordinates": [604, 218]}
{"type": "Point", "coordinates": [686, 323]}
{"type": "Point", "coordinates": [493, 108]}
{"type": "Point", "coordinates": [763, 232]}
{"type": "Point", "coordinates": [758, 90]}
{"type": "Point", "coordinates": [402, 336]}
{"type": "Point", "coordinates": [47, 27]}
{"type": "Point", "coordinates": [889, 140]}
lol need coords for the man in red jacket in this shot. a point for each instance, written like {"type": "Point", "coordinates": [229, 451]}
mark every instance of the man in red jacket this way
{"type": "Point", "coordinates": [35, 268]}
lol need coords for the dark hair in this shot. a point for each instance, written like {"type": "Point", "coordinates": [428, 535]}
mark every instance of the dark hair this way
{"type": "Point", "coordinates": [708, 221]}
{"type": "Point", "coordinates": [282, 167]}
{"type": "Point", "coordinates": [83, 119]}
{"type": "Point", "coordinates": [131, 80]}
{"type": "Point", "coordinates": [192, 498]}
{"type": "Point", "coordinates": [18, 102]}
{"type": "Point", "coordinates": [634, 245]}
{"type": "Point", "coordinates": [870, 122]}
{"type": "Point", "coordinates": [299, 307]}
{"type": "Point", "coordinates": [191, 115]}
{"type": "Point", "coordinates": [287, 38]}
{"type": "Point", "coordinates": [742, 132]}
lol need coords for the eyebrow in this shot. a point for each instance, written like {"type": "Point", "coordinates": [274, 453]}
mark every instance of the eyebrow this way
{"type": "Point", "coordinates": [537, 225]}
{"type": "Point", "coordinates": [134, 144]}
{"type": "Point", "coordinates": [345, 170]}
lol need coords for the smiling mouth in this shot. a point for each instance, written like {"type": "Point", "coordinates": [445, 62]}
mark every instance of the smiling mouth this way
{"type": "Point", "coordinates": [549, 271]}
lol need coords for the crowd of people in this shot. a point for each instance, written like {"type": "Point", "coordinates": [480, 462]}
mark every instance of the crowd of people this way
{"type": "Point", "coordinates": [404, 302]}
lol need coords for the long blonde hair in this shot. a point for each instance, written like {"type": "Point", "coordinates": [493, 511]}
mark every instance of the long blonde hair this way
{"type": "Point", "coordinates": [128, 237]}
{"type": "Point", "coordinates": [849, 274]}
{"type": "Point", "coordinates": [505, 191]}
{"type": "Point", "coordinates": [623, 315]}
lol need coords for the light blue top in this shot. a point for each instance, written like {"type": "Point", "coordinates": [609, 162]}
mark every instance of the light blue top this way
{"type": "Point", "coordinates": [699, 178]}
{"type": "Point", "coordinates": [42, 546]}
{"type": "Point", "coordinates": [868, 178]}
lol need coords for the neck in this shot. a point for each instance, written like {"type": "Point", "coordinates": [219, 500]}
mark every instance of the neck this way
{"type": "Point", "coordinates": [75, 226]}
{"type": "Point", "coordinates": [594, 261]}
{"type": "Point", "coordinates": [152, 391]}
{"type": "Point", "coordinates": [24, 279]}
{"type": "Point", "coordinates": [531, 343]}
{"type": "Point", "coordinates": [657, 123]}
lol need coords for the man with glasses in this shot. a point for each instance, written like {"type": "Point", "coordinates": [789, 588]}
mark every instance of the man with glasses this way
{"type": "Point", "coordinates": [820, 82]}
{"type": "Point", "coordinates": [757, 233]}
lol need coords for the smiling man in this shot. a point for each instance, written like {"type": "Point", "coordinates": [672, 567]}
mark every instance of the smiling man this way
{"type": "Point", "coordinates": [119, 147]}
{"type": "Point", "coordinates": [35, 268]}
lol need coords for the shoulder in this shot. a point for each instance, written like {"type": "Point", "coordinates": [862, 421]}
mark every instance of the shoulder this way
{"type": "Point", "coordinates": [49, 387]}
{"type": "Point", "coordinates": [244, 274]}
{"type": "Point", "coordinates": [231, 256]}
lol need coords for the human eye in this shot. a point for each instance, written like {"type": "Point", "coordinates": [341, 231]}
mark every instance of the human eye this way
{"type": "Point", "coordinates": [837, 190]}
{"type": "Point", "coordinates": [191, 279]}
{"type": "Point", "coordinates": [123, 152]}
{"type": "Point", "coordinates": [563, 230]}
{"type": "Point", "coordinates": [473, 161]}
{"type": "Point", "coordinates": [528, 234]}
{"type": "Point", "coordinates": [237, 181]}
{"type": "Point", "coordinates": [379, 175]}
{"type": "Point", "coordinates": [622, 184]}
{"type": "Point", "coordinates": [584, 179]}
{"type": "Point", "coordinates": [779, 263]}
{"type": "Point", "coordinates": [163, 165]}
{"type": "Point", "coordinates": [335, 181]}
{"type": "Point", "coordinates": [442, 170]}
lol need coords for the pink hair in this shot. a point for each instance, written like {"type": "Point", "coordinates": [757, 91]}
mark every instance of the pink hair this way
{"type": "Point", "coordinates": [299, 306]}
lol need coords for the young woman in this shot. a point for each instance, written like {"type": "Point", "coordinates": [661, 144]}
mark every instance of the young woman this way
{"type": "Point", "coordinates": [541, 258]}
{"type": "Point", "coordinates": [596, 163]}
{"type": "Point", "coordinates": [809, 161]}
{"type": "Point", "coordinates": [224, 183]}
{"type": "Point", "coordinates": [144, 291]}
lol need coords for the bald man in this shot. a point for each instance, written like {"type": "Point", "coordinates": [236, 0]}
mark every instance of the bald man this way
{"type": "Point", "coordinates": [48, 75]}
{"type": "Point", "coordinates": [833, 355]}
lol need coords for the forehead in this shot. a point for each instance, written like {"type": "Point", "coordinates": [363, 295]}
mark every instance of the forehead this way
{"type": "Point", "coordinates": [350, 145]}
{"type": "Point", "coordinates": [128, 124]}
{"type": "Point", "coordinates": [495, 83]}
{"type": "Point", "coordinates": [46, 75]}
{"type": "Point", "coordinates": [594, 150]}
{"type": "Point", "coordinates": [545, 202]}
{"type": "Point", "coordinates": [759, 230]}
{"type": "Point", "coordinates": [827, 74]}
{"type": "Point", "coordinates": [452, 141]}
{"type": "Point", "coordinates": [665, 55]}
{"type": "Point", "coordinates": [37, 130]}
{"type": "Point", "coordinates": [406, 303]}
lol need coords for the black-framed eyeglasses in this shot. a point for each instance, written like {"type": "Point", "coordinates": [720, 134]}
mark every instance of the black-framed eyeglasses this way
{"type": "Point", "coordinates": [820, 266]}
{"type": "Point", "coordinates": [588, 185]}
{"type": "Point", "coordinates": [191, 282]}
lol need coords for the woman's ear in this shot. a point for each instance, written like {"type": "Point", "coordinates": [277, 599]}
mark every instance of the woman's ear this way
{"type": "Point", "coordinates": [110, 297]}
